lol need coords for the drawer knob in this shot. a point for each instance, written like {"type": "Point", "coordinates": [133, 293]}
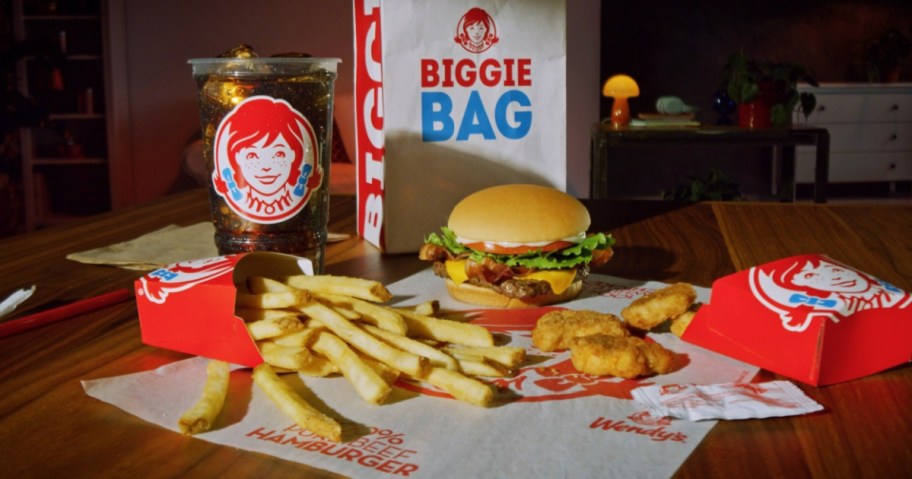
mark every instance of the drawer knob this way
{"type": "Point", "coordinates": [894, 136]}
{"type": "Point", "coordinates": [894, 108]}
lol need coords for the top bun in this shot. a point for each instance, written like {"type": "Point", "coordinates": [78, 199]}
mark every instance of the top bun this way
{"type": "Point", "coordinates": [519, 214]}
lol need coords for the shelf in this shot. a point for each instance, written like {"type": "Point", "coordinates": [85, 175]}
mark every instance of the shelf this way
{"type": "Point", "coordinates": [66, 164]}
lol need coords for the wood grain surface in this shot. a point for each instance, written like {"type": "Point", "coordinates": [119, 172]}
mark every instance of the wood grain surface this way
{"type": "Point", "coordinates": [50, 428]}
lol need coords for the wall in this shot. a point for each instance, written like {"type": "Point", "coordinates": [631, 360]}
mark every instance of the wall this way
{"type": "Point", "coordinates": [681, 49]}
{"type": "Point", "coordinates": [160, 36]}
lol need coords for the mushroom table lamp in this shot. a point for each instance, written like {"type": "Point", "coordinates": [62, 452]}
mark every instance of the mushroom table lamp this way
{"type": "Point", "coordinates": [620, 87]}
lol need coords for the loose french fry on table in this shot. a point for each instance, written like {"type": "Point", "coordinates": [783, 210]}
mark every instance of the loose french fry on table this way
{"type": "Point", "coordinates": [294, 406]}
{"type": "Point", "coordinates": [459, 386]}
{"type": "Point", "coordinates": [370, 313]}
{"type": "Point", "coordinates": [272, 300]}
{"type": "Point", "coordinates": [426, 308]}
{"type": "Point", "coordinates": [408, 363]}
{"type": "Point", "coordinates": [435, 356]}
{"type": "Point", "coordinates": [302, 338]}
{"type": "Point", "coordinates": [295, 358]}
{"type": "Point", "coordinates": [257, 314]}
{"type": "Point", "coordinates": [369, 385]}
{"type": "Point", "coordinates": [480, 366]}
{"type": "Point", "coordinates": [446, 330]}
{"type": "Point", "coordinates": [343, 285]}
{"type": "Point", "coordinates": [508, 356]}
{"type": "Point", "coordinates": [202, 415]}
{"type": "Point", "coordinates": [275, 326]}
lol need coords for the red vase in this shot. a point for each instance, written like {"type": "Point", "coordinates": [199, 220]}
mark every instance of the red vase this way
{"type": "Point", "coordinates": [753, 115]}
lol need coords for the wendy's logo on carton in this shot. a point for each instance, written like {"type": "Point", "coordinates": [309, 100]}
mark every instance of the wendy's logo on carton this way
{"type": "Point", "coordinates": [157, 285]}
{"type": "Point", "coordinates": [476, 31]}
{"type": "Point", "coordinates": [265, 160]}
{"type": "Point", "coordinates": [818, 287]}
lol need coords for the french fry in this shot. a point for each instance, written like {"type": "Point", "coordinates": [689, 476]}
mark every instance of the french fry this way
{"type": "Point", "coordinates": [369, 385]}
{"type": "Point", "coordinates": [289, 357]}
{"type": "Point", "coordinates": [255, 314]}
{"type": "Point", "coordinates": [275, 326]}
{"type": "Point", "coordinates": [294, 406]}
{"type": "Point", "coordinates": [302, 338]}
{"type": "Point", "coordinates": [427, 308]}
{"type": "Point", "coordinates": [508, 356]}
{"type": "Point", "coordinates": [276, 300]}
{"type": "Point", "coordinates": [460, 386]}
{"type": "Point", "coordinates": [435, 356]}
{"type": "Point", "coordinates": [370, 313]}
{"type": "Point", "coordinates": [386, 372]}
{"type": "Point", "coordinates": [481, 366]}
{"type": "Point", "coordinates": [446, 330]}
{"type": "Point", "coordinates": [354, 287]}
{"type": "Point", "coordinates": [200, 417]}
{"type": "Point", "coordinates": [408, 363]}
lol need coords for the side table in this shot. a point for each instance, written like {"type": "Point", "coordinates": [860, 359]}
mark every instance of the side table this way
{"type": "Point", "coordinates": [606, 140]}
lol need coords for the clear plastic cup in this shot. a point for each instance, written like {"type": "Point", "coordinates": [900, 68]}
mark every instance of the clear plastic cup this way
{"type": "Point", "coordinates": [267, 133]}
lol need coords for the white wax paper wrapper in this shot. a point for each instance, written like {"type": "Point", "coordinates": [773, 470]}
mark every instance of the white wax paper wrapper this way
{"type": "Point", "coordinates": [549, 421]}
{"type": "Point", "coordinates": [725, 401]}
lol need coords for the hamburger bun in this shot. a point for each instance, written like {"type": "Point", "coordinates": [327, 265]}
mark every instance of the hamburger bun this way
{"type": "Point", "coordinates": [520, 214]}
{"type": "Point", "coordinates": [469, 293]}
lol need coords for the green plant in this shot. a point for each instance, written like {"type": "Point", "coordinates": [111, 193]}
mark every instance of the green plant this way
{"type": "Point", "coordinates": [775, 83]}
{"type": "Point", "coordinates": [887, 53]}
{"type": "Point", "coordinates": [716, 186]}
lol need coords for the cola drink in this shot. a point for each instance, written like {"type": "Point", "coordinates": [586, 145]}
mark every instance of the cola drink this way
{"type": "Point", "coordinates": [267, 127]}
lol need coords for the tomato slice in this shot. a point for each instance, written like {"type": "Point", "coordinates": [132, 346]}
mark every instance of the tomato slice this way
{"type": "Point", "coordinates": [494, 248]}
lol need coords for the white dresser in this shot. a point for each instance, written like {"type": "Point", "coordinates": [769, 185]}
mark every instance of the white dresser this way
{"type": "Point", "coordinates": [870, 129]}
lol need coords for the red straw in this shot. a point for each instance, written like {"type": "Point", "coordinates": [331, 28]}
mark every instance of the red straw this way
{"type": "Point", "coordinates": [67, 311]}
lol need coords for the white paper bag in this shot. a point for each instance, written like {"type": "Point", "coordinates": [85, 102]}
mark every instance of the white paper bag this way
{"type": "Point", "coordinates": [453, 97]}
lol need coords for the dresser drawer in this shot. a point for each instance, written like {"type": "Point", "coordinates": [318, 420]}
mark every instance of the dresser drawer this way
{"type": "Point", "coordinates": [856, 167]}
{"type": "Point", "coordinates": [860, 108]}
{"type": "Point", "coordinates": [870, 137]}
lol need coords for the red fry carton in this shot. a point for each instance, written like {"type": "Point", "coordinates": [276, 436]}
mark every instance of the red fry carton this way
{"type": "Point", "coordinates": [189, 306]}
{"type": "Point", "coordinates": [809, 318]}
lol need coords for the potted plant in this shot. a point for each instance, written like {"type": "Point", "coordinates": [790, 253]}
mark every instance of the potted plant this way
{"type": "Point", "coordinates": [887, 54]}
{"type": "Point", "coordinates": [767, 92]}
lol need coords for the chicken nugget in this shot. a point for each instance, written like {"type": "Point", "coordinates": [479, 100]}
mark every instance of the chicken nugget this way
{"type": "Point", "coordinates": [659, 359]}
{"type": "Point", "coordinates": [556, 329]}
{"type": "Point", "coordinates": [601, 355]}
{"type": "Point", "coordinates": [680, 323]}
{"type": "Point", "coordinates": [655, 308]}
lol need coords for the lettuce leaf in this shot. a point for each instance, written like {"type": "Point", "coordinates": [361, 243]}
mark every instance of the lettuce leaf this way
{"type": "Point", "coordinates": [566, 258]}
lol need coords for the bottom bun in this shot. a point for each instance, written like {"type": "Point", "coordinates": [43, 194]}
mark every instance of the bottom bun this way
{"type": "Point", "coordinates": [470, 293]}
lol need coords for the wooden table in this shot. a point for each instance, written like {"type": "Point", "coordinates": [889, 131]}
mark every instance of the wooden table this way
{"type": "Point", "coordinates": [50, 428]}
{"type": "Point", "coordinates": [606, 140]}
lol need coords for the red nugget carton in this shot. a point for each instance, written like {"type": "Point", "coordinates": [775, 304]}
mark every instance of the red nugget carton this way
{"type": "Point", "coordinates": [189, 306]}
{"type": "Point", "coordinates": [809, 318]}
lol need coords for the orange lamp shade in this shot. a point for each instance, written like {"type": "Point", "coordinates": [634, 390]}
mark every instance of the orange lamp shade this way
{"type": "Point", "coordinates": [620, 87]}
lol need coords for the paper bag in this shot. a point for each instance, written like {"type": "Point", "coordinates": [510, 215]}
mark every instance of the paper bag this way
{"type": "Point", "coordinates": [807, 317]}
{"type": "Point", "coordinates": [453, 97]}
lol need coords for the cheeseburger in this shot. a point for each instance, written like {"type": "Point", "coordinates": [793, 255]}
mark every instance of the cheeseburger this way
{"type": "Point", "coordinates": [515, 246]}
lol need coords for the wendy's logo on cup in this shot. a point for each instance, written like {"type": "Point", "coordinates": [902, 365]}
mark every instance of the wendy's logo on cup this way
{"type": "Point", "coordinates": [476, 31]}
{"type": "Point", "coordinates": [157, 285]}
{"type": "Point", "coordinates": [265, 160]}
{"type": "Point", "coordinates": [816, 286]}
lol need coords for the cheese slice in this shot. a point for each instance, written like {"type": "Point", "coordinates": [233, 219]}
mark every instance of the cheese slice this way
{"type": "Point", "coordinates": [456, 270]}
{"type": "Point", "coordinates": [559, 280]}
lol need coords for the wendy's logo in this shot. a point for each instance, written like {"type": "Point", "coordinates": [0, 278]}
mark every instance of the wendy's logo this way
{"type": "Point", "coordinates": [818, 287]}
{"type": "Point", "coordinates": [266, 160]}
{"type": "Point", "coordinates": [157, 285]}
{"type": "Point", "coordinates": [476, 31]}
